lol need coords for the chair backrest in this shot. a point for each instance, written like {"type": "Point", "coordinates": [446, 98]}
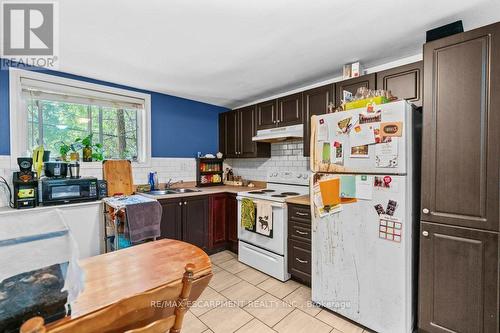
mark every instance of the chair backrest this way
{"type": "Point", "coordinates": [158, 310]}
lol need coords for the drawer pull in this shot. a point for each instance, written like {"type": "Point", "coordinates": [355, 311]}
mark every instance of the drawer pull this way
{"type": "Point", "coordinates": [301, 232]}
{"type": "Point", "coordinates": [301, 214]}
{"type": "Point", "coordinates": [302, 261]}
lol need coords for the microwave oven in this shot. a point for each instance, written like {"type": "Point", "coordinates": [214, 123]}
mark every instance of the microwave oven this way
{"type": "Point", "coordinates": [58, 191]}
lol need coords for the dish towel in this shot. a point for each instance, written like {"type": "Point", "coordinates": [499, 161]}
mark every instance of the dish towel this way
{"type": "Point", "coordinates": [264, 218]}
{"type": "Point", "coordinates": [143, 221]}
{"type": "Point", "coordinates": [247, 214]}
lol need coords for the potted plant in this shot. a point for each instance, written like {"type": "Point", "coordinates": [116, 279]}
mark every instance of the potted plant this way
{"type": "Point", "coordinates": [64, 150]}
{"type": "Point", "coordinates": [91, 151]}
{"type": "Point", "coordinates": [75, 147]}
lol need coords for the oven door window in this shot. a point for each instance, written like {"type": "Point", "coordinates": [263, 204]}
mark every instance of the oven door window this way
{"type": "Point", "coordinates": [65, 192]}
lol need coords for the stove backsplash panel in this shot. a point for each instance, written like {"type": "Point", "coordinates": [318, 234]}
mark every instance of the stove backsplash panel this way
{"type": "Point", "coordinates": [285, 156]}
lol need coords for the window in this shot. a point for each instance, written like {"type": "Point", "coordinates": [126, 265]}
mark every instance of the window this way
{"type": "Point", "coordinates": [51, 122]}
{"type": "Point", "coordinates": [53, 110]}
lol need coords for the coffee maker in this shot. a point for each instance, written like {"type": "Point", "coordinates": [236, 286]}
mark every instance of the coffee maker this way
{"type": "Point", "coordinates": [25, 183]}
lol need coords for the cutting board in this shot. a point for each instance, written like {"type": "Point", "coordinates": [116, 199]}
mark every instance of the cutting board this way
{"type": "Point", "coordinates": [118, 175]}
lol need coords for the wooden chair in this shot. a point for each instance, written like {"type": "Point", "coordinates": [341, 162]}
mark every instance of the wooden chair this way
{"type": "Point", "coordinates": [159, 310]}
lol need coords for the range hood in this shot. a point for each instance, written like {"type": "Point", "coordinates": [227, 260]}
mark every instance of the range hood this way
{"type": "Point", "coordinates": [279, 134]}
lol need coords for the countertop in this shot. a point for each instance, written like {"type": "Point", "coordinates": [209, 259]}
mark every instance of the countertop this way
{"type": "Point", "coordinates": [8, 210]}
{"type": "Point", "coordinates": [301, 200]}
{"type": "Point", "coordinates": [204, 191]}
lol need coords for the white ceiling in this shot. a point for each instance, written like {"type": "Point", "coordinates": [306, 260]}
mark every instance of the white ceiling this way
{"type": "Point", "coordinates": [230, 52]}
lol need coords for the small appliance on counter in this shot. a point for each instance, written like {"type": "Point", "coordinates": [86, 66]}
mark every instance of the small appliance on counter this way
{"type": "Point", "coordinates": [59, 191]}
{"type": "Point", "coordinates": [56, 169]}
{"type": "Point", "coordinates": [74, 170]}
{"type": "Point", "coordinates": [25, 183]}
{"type": "Point", "coordinates": [209, 171]}
{"type": "Point", "coordinates": [102, 186]}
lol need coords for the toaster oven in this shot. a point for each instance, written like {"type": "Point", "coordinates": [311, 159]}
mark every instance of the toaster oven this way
{"type": "Point", "coordinates": [58, 191]}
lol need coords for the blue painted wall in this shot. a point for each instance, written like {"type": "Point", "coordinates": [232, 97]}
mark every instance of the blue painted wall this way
{"type": "Point", "coordinates": [179, 127]}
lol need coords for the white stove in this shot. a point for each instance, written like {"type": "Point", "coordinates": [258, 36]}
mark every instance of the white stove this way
{"type": "Point", "coordinates": [269, 254]}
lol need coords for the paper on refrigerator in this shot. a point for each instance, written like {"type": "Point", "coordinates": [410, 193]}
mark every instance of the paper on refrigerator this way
{"type": "Point", "coordinates": [386, 154]}
{"type": "Point", "coordinates": [319, 209]}
{"type": "Point", "coordinates": [364, 187]}
{"type": "Point", "coordinates": [362, 134]}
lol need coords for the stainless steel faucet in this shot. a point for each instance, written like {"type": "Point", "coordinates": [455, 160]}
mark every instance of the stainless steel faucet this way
{"type": "Point", "coordinates": [169, 184]}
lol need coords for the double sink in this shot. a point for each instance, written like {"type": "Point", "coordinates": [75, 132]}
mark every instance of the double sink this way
{"type": "Point", "coordinates": [172, 191]}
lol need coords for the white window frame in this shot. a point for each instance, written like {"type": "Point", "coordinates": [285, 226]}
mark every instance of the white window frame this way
{"type": "Point", "coordinates": [19, 114]}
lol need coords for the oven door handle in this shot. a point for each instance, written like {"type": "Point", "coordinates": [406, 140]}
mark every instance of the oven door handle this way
{"type": "Point", "coordinates": [278, 205]}
{"type": "Point", "coordinates": [273, 204]}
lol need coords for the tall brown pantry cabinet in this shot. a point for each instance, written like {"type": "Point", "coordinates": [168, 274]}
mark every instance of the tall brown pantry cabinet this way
{"type": "Point", "coordinates": [459, 253]}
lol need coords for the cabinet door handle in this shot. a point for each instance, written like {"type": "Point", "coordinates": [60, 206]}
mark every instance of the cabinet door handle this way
{"type": "Point", "coordinates": [180, 203]}
{"type": "Point", "coordinates": [301, 214]}
{"type": "Point", "coordinates": [185, 203]}
{"type": "Point", "coordinates": [425, 211]}
{"type": "Point", "coordinates": [301, 232]}
{"type": "Point", "coordinates": [425, 233]}
{"type": "Point", "coordinates": [302, 261]}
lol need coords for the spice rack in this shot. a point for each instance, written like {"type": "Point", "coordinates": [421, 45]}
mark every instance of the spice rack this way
{"type": "Point", "coordinates": [209, 171]}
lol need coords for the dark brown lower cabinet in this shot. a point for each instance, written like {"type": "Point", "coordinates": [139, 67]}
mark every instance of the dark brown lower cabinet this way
{"type": "Point", "coordinates": [222, 226]}
{"type": "Point", "coordinates": [195, 221]}
{"type": "Point", "coordinates": [171, 219]}
{"type": "Point", "coordinates": [218, 221]}
{"type": "Point", "coordinates": [299, 243]}
{"type": "Point", "coordinates": [232, 222]}
{"type": "Point", "coordinates": [186, 219]}
{"type": "Point", "coordinates": [458, 284]}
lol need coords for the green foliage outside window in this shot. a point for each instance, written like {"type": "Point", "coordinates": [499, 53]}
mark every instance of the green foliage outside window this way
{"type": "Point", "coordinates": [110, 131]}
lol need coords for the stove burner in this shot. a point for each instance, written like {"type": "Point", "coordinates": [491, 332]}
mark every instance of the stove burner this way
{"type": "Point", "coordinates": [278, 195]}
{"type": "Point", "coordinates": [257, 192]}
{"type": "Point", "coordinates": [290, 193]}
{"type": "Point", "coordinates": [269, 191]}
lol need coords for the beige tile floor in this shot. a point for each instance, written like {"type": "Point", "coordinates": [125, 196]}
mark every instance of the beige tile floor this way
{"type": "Point", "coordinates": [241, 299]}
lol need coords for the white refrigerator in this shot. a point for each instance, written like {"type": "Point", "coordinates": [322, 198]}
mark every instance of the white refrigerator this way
{"type": "Point", "coordinates": [364, 255]}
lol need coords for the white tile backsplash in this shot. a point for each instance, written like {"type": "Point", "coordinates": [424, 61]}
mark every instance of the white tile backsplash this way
{"type": "Point", "coordinates": [175, 168]}
{"type": "Point", "coordinates": [285, 156]}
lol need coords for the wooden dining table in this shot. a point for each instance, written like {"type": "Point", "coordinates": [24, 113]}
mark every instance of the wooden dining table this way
{"type": "Point", "coordinates": [117, 275]}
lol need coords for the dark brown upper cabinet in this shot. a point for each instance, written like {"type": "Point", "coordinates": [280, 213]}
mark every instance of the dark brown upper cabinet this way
{"type": "Point", "coordinates": [267, 114]}
{"type": "Point", "coordinates": [247, 130]}
{"type": "Point", "coordinates": [461, 132]}
{"type": "Point", "coordinates": [315, 102]}
{"type": "Point", "coordinates": [229, 138]}
{"type": "Point", "coordinates": [352, 85]}
{"type": "Point", "coordinates": [404, 82]}
{"type": "Point", "coordinates": [289, 110]}
{"type": "Point", "coordinates": [222, 133]}
{"type": "Point", "coordinates": [238, 127]}
{"type": "Point", "coordinates": [458, 283]}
